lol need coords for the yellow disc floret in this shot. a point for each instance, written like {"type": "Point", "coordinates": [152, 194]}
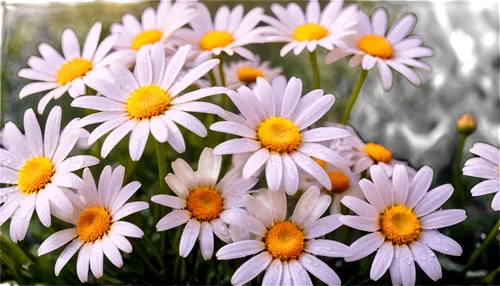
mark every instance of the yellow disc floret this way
{"type": "Point", "coordinates": [93, 224]}
{"type": "Point", "coordinates": [147, 101]}
{"type": "Point", "coordinates": [378, 153]}
{"type": "Point", "coordinates": [249, 74]}
{"type": "Point", "coordinates": [309, 32]}
{"type": "Point", "coordinates": [279, 134]}
{"type": "Point", "coordinates": [205, 203]}
{"type": "Point", "coordinates": [400, 225]}
{"type": "Point", "coordinates": [35, 174]}
{"type": "Point", "coordinates": [145, 38]}
{"type": "Point", "coordinates": [72, 69]}
{"type": "Point", "coordinates": [285, 241]}
{"type": "Point", "coordinates": [376, 46]}
{"type": "Point", "coordinates": [216, 39]}
{"type": "Point", "coordinates": [340, 181]}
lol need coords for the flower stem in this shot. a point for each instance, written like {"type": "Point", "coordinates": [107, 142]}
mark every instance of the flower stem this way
{"type": "Point", "coordinates": [475, 255]}
{"type": "Point", "coordinates": [315, 69]}
{"type": "Point", "coordinates": [456, 170]}
{"type": "Point", "coordinates": [211, 76]}
{"type": "Point", "coordinates": [145, 259]}
{"type": "Point", "coordinates": [162, 173]}
{"type": "Point", "coordinates": [354, 95]}
{"type": "Point", "coordinates": [157, 256]}
{"type": "Point", "coordinates": [224, 101]}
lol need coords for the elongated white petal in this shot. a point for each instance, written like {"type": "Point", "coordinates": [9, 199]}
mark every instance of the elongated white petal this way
{"type": "Point", "coordinates": [250, 269]}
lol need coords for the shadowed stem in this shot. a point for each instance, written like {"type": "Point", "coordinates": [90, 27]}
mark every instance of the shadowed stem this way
{"type": "Point", "coordinates": [162, 173]}
{"type": "Point", "coordinates": [224, 101]}
{"type": "Point", "coordinates": [456, 169]}
{"type": "Point", "coordinates": [145, 259]}
{"type": "Point", "coordinates": [211, 76]}
{"type": "Point", "coordinates": [354, 95]}
{"type": "Point", "coordinates": [313, 58]}
{"type": "Point", "coordinates": [156, 254]}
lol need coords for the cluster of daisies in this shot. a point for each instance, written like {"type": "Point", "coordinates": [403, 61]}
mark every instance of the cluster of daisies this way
{"type": "Point", "coordinates": [141, 73]}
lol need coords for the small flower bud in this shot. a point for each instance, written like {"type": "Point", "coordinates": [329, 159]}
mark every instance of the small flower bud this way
{"type": "Point", "coordinates": [466, 124]}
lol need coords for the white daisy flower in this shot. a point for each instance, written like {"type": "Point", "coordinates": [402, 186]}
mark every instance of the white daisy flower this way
{"type": "Point", "coordinates": [246, 72]}
{"type": "Point", "coordinates": [402, 219]}
{"type": "Point", "coordinates": [154, 27]}
{"type": "Point", "coordinates": [361, 156]}
{"type": "Point", "coordinates": [285, 248]}
{"type": "Point", "coordinates": [72, 71]}
{"type": "Point", "coordinates": [486, 167]}
{"type": "Point", "coordinates": [98, 231]}
{"type": "Point", "coordinates": [344, 183]}
{"type": "Point", "coordinates": [148, 101]}
{"type": "Point", "coordinates": [201, 202]}
{"type": "Point", "coordinates": [313, 28]}
{"type": "Point", "coordinates": [228, 32]}
{"type": "Point", "coordinates": [38, 171]}
{"type": "Point", "coordinates": [273, 126]}
{"type": "Point", "coordinates": [371, 45]}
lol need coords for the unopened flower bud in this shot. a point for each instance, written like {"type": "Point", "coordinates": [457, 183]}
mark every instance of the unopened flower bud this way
{"type": "Point", "coordinates": [466, 124]}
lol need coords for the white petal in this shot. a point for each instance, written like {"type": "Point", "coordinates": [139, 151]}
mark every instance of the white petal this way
{"type": "Point", "coordinates": [116, 136]}
{"type": "Point", "coordinates": [291, 97]}
{"type": "Point", "coordinates": [250, 269]}
{"type": "Point", "coordinates": [322, 226]}
{"type": "Point", "coordinates": [273, 273]}
{"type": "Point", "coordinates": [400, 184]}
{"type": "Point", "coordinates": [427, 260]}
{"type": "Point", "coordinates": [439, 242]}
{"type": "Point", "coordinates": [57, 197]}
{"type": "Point", "coordinates": [52, 128]}
{"type": "Point", "coordinates": [484, 188]}
{"type": "Point", "coordinates": [57, 240]}
{"type": "Point", "coordinates": [240, 249]}
{"type": "Point", "coordinates": [123, 195]}
{"type": "Point", "coordinates": [128, 209]}
{"type": "Point", "coordinates": [97, 259]}
{"type": "Point", "coordinates": [66, 255]}
{"type": "Point", "coordinates": [159, 129]}
{"type": "Point", "coordinates": [138, 139]}
{"type": "Point", "coordinates": [419, 186]}
{"type": "Point", "coordinates": [279, 207]}
{"type": "Point", "coordinates": [255, 162]}
{"type": "Point", "coordinates": [325, 247]}
{"type": "Point", "coordinates": [379, 22]}
{"type": "Point", "coordinates": [442, 218]}
{"type": "Point", "coordinates": [188, 121]}
{"type": "Point", "coordinates": [401, 29]}
{"type": "Point", "coordinates": [70, 45]}
{"type": "Point", "coordinates": [305, 205]}
{"type": "Point", "coordinates": [432, 200]}
{"type": "Point", "coordinates": [206, 240]}
{"type": "Point", "coordinates": [299, 274]}
{"type": "Point", "coordinates": [315, 111]}
{"type": "Point", "coordinates": [144, 67]}
{"type": "Point", "coordinates": [382, 261]}
{"type": "Point", "coordinates": [120, 242]}
{"type": "Point", "coordinates": [126, 229]}
{"type": "Point", "coordinates": [209, 167]}
{"type": "Point", "coordinates": [319, 269]}
{"type": "Point", "coordinates": [274, 171]}
{"type": "Point", "coordinates": [290, 175]}
{"type": "Point", "coordinates": [177, 185]}
{"type": "Point", "coordinates": [175, 138]}
{"type": "Point", "coordinates": [82, 264]}
{"type": "Point", "coordinates": [382, 185]}
{"type": "Point", "coordinates": [235, 146]}
{"type": "Point", "coordinates": [9, 159]}
{"type": "Point", "coordinates": [258, 210]}
{"type": "Point", "coordinates": [321, 152]}
{"type": "Point", "coordinates": [174, 66]}
{"type": "Point", "coordinates": [245, 221]}
{"type": "Point", "coordinates": [385, 75]}
{"type": "Point", "coordinates": [185, 173]}
{"type": "Point", "coordinates": [173, 219]}
{"type": "Point", "coordinates": [123, 77]}
{"type": "Point", "coordinates": [323, 134]}
{"type": "Point", "coordinates": [233, 128]}
{"type": "Point", "coordinates": [407, 266]}
{"type": "Point", "coordinates": [33, 133]}
{"type": "Point", "coordinates": [221, 230]}
{"type": "Point", "coordinates": [311, 167]}
{"type": "Point", "coordinates": [192, 76]}
{"type": "Point", "coordinates": [43, 208]}
{"type": "Point", "coordinates": [361, 223]}
{"type": "Point", "coordinates": [360, 207]}
{"type": "Point", "coordinates": [365, 245]}
{"type": "Point", "coordinates": [372, 195]}
{"type": "Point", "coordinates": [189, 236]}
{"type": "Point", "coordinates": [111, 251]}
{"type": "Point", "coordinates": [92, 40]}
{"type": "Point", "coordinates": [169, 201]}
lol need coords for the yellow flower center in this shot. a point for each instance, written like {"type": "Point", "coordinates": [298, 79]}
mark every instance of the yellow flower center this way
{"type": "Point", "coordinates": [400, 225]}
{"type": "Point", "coordinates": [285, 241]}
{"type": "Point", "coordinates": [216, 39]}
{"type": "Point", "coordinates": [72, 69]}
{"type": "Point", "coordinates": [376, 46]}
{"type": "Point", "coordinates": [93, 224]}
{"type": "Point", "coordinates": [145, 38]}
{"type": "Point", "coordinates": [279, 134]}
{"type": "Point", "coordinates": [147, 101]}
{"type": "Point", "coordinates": [309, 32]}
{"type": "Point", "coordinates": [35, 174]}
{"type": "Point", "coordinates": [340, 182]}
{"type": "Point", "coordinates": [249, 74]}
{"type": "Point", "coordinates": [378, 153]}
{"type": "Point", "coordinates": [205, 203]}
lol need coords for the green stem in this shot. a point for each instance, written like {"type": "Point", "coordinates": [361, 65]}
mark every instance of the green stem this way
{"type": "Point", "coordinates": [162, 173]}
{"type": "Point", "coordinates": [475, 255]}
{"type": "Point", "coordinates": [155, 253]}
{"type": "Point", "coordinates": [211, 76]}
{"type": "Point", "coordinates": [315, 69]}
{"type": "Point", "coordinates": [354, 95]}
{"type": "Point", "coordinates": [144, 258]}
{"type": "Point", "coordinates": [456, 171]}
{"type": "Point", "coordinates": [221, 70]}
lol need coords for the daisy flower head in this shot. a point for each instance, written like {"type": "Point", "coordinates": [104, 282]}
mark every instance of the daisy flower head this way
{"type": "Point", "coordinates": [38, 172]}
{"type": "Point", "coordinates": [97, 230]}
{"type": "Point", "coordinates": [344, 183]}
{"type": "Point", "coordinates": [149, 100]}
{"type": "Point", "coordinates": [371, 45]}
{"type": "Point", "coordinates": [310, 29]}
{"type": "Point", "coordinates": [201, 202]}
{"type": "Point", "coordinates": [486, 166]}
{"type": "Point", "coordinates": [402, 218]}
{"type": "Point", "coordinates": [285, 248]}
{"type": "Point", "coordinates": [154, 27]}
{"type": "Point", "coordinates": [228, 32]}
{"type": "Point", "coordinates": [246, 72]}
{"type": "Point", "coordinates": [273, 122]}
{"type": "Point", "coordinates": [70, 71]}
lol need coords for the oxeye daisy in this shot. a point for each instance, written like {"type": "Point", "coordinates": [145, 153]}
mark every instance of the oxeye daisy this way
{"type": "Point", "coordinates": [273, 122]}
{"type": "Point", "coordinates": [311, 29]}
{"type": "Point", "coordinates": [228, 32]}
{"type": "Point", "coordinates": [285, 248]}
{"type": "Point", "coordinates": [38, 171]}
{"type": "Point", "coordinates": [344, 183]}
{"type": "Point", "coordinates": [70, 71]}
{"type": "Point", "coordinates": [246, 72]}
{"type": "Point", "coordinates": [402, 219]}
{"type": "Point", "coordinates": [155, 26]}
{"type": "Point", "coordinates": [148, 101]}
{"type": "Point", "coordinates": [487, 166]}
{"type": "Point", "coordinates": [371, 45]}
{"type": "Point", "coordinates": [97, 230]}
{"type": "Point", "coordinates": [201, 202]}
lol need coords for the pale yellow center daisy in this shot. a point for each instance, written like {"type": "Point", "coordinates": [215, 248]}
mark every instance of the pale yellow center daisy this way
{"type": "Point", "coordinates": [285, 241]}
{"type": "Point", "coordinates": [35, 174]}
{"type": "Point", "coordinates": [145, 38]}
{"type": "Point", "coordinates": [309, 32]}
{"type": "Point", "coordinates": [205, 203]}
{"type": "Point", "coordinates": [147, 101]}
{"type": "Point", "coordinates": [93, 224]}
{"type": "Point", "coordinates": [249, 74]}
{"type": "Point", "coordinates": [216, 39]}
{"type": "Point", "coordinates": [72, 69]}
{"type": "Point", "coordinates": [400, 225]}
{"type": "Point", "coordinates": [378, 153]}
{"type": "Point", "coordinates": [376, 46]}
{"type": "Point", "coordinates": [279, 134]}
